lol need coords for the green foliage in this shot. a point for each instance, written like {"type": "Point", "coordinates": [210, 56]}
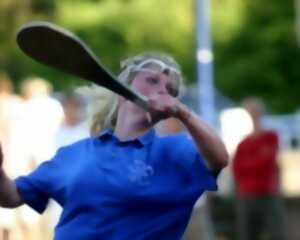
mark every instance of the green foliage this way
{"type": "Point", "coordinates": [115, 29]}
{"type": "Point", "coordinates": [257, 54]}
{"type": "Point", "coordinates": [254, 41]}
{"type": "Point", "coordinates": [13, 14]}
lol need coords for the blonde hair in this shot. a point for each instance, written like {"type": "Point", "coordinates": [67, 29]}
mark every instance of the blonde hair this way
{"type": "Point", "coordinates": [103, 104]}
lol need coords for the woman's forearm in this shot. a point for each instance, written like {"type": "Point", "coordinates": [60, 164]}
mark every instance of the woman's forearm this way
{"type": "Point", "coordinates": [9, 195]}
{"type": "Point", "coordinates": [207, 141]}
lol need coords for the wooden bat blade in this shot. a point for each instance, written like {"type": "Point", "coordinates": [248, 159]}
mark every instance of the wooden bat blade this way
{"type": "Point", "coordinates": [61, 49]}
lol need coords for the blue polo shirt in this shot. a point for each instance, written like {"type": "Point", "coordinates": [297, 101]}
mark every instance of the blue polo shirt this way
{"type": "Point", "coordinates": [115, 190]}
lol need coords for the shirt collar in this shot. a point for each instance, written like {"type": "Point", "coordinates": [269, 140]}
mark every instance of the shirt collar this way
{"type": "Point", "coordinates": [144, 139]}
{"type": "Point", "coordinates": [105, 133]}
{"type": "Point", "coordinates": [148, 137]}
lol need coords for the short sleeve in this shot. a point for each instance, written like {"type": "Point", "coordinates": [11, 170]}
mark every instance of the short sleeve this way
{"type": "Point", "coordinates": [206, 178]}
{"type": "Point", "coordinates": [40, 185]}
{"type": "Point", "coordinates": [201, 176]}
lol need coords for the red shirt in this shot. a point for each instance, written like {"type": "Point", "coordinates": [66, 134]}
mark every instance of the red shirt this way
{"type": "Point", "coordinates": [255, 166]}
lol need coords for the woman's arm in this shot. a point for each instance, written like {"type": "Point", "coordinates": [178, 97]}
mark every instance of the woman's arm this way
{"type": "Point", "coordinates": [9, 196]}
{"type": "Point", "coordinates": [207, 141]}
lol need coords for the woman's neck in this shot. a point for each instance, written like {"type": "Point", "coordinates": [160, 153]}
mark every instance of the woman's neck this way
{"type": "Point", "coordinates": [131, 123]}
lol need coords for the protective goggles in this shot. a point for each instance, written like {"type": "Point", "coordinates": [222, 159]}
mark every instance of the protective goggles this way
{"type": "Point", "coordinates": [156, 66]}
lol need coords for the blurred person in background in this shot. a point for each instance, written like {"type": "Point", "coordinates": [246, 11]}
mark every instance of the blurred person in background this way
{"type": "Point", "coordinates": [10, 115]}
{"type": "Point", "coordinates": [73, 128]}
{"type": "Point", "coordinates": [43, 115]}
{"type": "Point", "coordinates": [125, 181]}
{"type": "Point", "coordinates": [256, 173]}
{"type": "Point", "coordinates": [34, 136]}
{"type": "Point", "coordinates": [10, 107]}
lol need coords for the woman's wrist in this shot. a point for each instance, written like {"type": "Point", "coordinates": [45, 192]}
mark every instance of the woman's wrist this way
{"type": "Point", "coordinates": [184, 113]}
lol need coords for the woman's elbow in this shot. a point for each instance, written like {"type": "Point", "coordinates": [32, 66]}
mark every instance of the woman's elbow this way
{"type": "Point", "coordinates": [224, 161]}
{"type": "Point", "coordinates": [221, 161]}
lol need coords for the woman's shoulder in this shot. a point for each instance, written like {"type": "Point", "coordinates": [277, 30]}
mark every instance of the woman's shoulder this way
{"type": "Point", "coordinates": [173, 136]}
{"type": "Point", "coordinates": [174, 140]}
{"type": "Point", "coordinates": [77, 145]}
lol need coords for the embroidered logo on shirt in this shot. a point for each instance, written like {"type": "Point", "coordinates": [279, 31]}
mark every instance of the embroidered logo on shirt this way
{"type": "Point", "coordinates": [140, 172]}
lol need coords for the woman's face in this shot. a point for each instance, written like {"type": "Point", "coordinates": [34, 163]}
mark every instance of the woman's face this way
{"type": "Point", "coordinates": [151, 84]}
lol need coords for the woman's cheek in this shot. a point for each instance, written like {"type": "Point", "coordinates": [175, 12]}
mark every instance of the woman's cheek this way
{"type": "Point", "coordinates": [144, 89]}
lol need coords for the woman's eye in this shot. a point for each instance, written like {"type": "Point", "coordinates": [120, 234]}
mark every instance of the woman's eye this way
{"type": "Point", "coordinates": [152, 80]}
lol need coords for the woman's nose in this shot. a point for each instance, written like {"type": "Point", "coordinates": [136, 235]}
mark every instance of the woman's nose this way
{"type": "Point", "coordinates": [163, 90]}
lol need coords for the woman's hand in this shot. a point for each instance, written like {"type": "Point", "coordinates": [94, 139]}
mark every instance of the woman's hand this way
{"type": "Point", "coordinates": [208, 142]}
{"type": "Point", "coordinates": [9, 195]}
{"type": "Point", "coordinates": [163, 106]}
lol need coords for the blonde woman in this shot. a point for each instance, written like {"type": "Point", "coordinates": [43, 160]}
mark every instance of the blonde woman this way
{"type": "Point", "coordinates": [125, 182]}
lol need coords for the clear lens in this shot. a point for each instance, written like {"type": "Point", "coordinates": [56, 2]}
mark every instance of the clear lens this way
{"type": "Point", "coordinates": [156, 65]}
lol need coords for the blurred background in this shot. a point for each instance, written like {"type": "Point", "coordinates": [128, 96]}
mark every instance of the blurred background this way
{"type": "Point", "coordinates": [254, 51]}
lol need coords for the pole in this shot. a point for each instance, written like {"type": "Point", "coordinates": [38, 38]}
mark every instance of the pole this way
{"type": "Point", "coordinates": [205, 63]}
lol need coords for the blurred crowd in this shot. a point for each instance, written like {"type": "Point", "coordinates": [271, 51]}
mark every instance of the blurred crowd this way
{"type": "Point", "coordinates": [33, 125]}
{"type": "Point", "coordinates": [36, 122]}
